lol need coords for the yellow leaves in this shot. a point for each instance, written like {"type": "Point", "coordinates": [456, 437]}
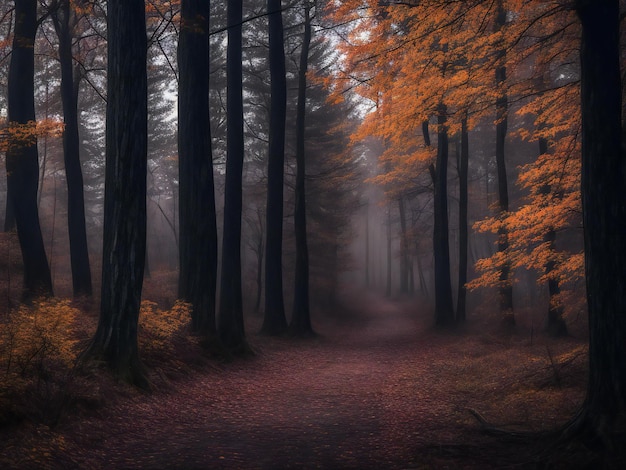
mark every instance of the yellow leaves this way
{"type": "Point", "coordinates": [33, 339]}
{"type": "Point", "coordinates": [157, 327]}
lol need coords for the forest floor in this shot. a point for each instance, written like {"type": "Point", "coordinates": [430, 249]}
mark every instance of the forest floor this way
{"type": "Point", "coordinates": [377, 388]}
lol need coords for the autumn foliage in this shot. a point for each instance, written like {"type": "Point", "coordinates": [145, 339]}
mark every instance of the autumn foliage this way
{"type": "Point", "coordinates": [408, 59]}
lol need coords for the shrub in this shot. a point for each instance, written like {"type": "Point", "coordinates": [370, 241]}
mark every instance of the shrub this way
{"type": "Point", "coordinates": [160, 330]}
{"type": "Point", "coordinates": [38, 352]}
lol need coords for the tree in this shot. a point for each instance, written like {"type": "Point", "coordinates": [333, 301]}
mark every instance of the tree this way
{"type": "Point", "coordinates": [604, 218]}
{"type": "Point", "coordinates": [230, 318]}
{"type": "Point", "coordinates": [124, 246]}
{"type": "Point", "coordinates": [274, 321]}
{"type": "Point", "coordinates": [198, 228]}
{"type": "Point", "coordinates": [506, 286]}
{"type": "Point", "coordinates": [301, 317]}
{"type": "Point", "coordinates": [462, 170]}
{"type": "Point", "coordinates": [64, 20]}
{"type": "Point", "coordinates": [21, 158]}
{"type": "Point", "coordinates": [444, 309]}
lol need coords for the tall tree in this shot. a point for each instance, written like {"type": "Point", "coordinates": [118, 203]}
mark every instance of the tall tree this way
{"type": "Point", "coordinates": [64, 20]}
{"type": "Point", "coordinates": [444, 309]}
{"type": "Point", "coordinates": [404, 247]}
{"type": "Point", "coordinates": [124, 246]}
{"type": "Point", "coordinates": [462, 169]}
{"type": "Point", "coordinates": [21, 158]}
{"type": "Point", "coordinates": [274, 321]}
{"type": "Point", "coordinates": [230, 318]}
{"type": "Point", "coordinates": [555, 325]}
{"type": "Point", "coordinates": [301, 318]}
{"type": "Point", "coordinates": [604, 218]}
{"type": "Point", "coordinates": [506, 286]}
{"type": "Point", "coordinates": [197, 218]}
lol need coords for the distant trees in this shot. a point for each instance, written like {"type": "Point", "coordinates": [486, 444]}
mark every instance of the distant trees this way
{"type": "Point", "coordinates": [414, 57]}
{"type": "Point", "coordinates": [22, 158]}
{"type": "Point", "coordinates": [124, 245]}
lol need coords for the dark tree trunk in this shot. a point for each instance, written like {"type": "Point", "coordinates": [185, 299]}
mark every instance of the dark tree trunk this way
{"type": "Point", "coordinates": [604, 218]}
{"type": "Point", "coordinates": [259, 273]}
{"type": "Point", "coordinates": [274, 321]}
{"type": "Point", "coordinates": [230, 318]}
{"type": "Point", "coordinates": [197, 219]}
{"type": "Point", "coordinates": [444, 309]}
{"type": "Point", "coordinates": [463, 160]}
{"type": "Point", "coordinates": [555, 325]}
{"type": "Point", "coordinates": [389, 253]}
{"type": "Point", "coordinates": [124, 247]}
{"type": "Point", "coordinates": [506, 287]}
{"type": "Point", "coordinates": [367, 245]}
{"type": "Point", "coordinates": [21, 158]}
{"type": "Point", "coordinates": [79, 252]}
{"type": "Point", "coordinates": [9, 213]}
{"type": "Point", "coordinates": [404, 249]}
{"type": "Point", "coordinates": [301, 318]}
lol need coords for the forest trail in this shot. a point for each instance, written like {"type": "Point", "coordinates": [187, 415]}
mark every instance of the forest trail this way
{"type": "Point", "coordinates": [376, 389]}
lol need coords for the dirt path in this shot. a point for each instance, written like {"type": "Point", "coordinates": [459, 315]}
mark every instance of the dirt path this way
{"type": "Point", "coordinates": [373, 392]}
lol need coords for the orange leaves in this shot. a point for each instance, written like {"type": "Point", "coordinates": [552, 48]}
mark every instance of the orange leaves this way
{"type": "Point", "coordinates": [18, 135]}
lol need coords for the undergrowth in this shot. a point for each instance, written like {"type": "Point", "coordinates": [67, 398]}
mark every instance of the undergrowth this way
{"type": "Point", "coordinates": [38, 352]}
{"type": "Point", "coordinates": [40, 347]}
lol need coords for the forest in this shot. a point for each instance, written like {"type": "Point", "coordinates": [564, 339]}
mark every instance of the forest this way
{"type": "Point", "coordinates": [312, 234]}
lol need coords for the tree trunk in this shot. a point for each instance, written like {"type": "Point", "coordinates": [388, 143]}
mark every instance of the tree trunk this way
{"type": "Point", "coordinates": [604, 218]}
{"type": "Point", "coordinates": [463, 235]}
{"type": "Point", "coordinates": [404, 249]}
{"type": "Point", "coordinates": [79, 252]}
{"type": "Point", "coordinates": [444, 309]}
{"type": "Point", "coordinates": [9, 213]}
{"type": "Point", "coordinates": [367, 245]}
{"type": "Point", "coordinates": [259, 272]}
{"type": "Point", "coordinates": [274, 321]}
{"type": "Point", "coordinates": [301, 318]}
{"type": "Point", "coordinates": [555, 325]}
{"type": "Point", "coordinates": [389, 253]}
{"type": "Point", "coordinates": [124, 247]}
{"type": "Point", "coordinates": [230, 319]}
{"type": "Point", "coordinates": [21, 158]}
{"type": "Point", "coordinates": [197, 218]}
{"type": "Point", "coordinates": [506, 287]}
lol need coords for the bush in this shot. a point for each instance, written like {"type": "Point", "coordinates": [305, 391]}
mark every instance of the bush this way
{"type": "Point", "coordinates": [160, 330]}
{"type": "Point", "coordinates": [38, 352]}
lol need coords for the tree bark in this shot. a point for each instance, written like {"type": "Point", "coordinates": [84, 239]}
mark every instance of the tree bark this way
{"type": "Point", "coordinates": [389, 253]}
{"type": "Point", "coordinates": [604, 218]}
{"type": "Point", "coordinates": [367, 245]}
{"type": "Point", "coordinates": [79, 252]}
{"type": "Point", "coordinates": [274, 321]}
{"type": "Point", "coordinates": [300, 324]}
{"type": "Point", "coordinates": [124, 248]}
{"type": "Point", "coordinates": [463, 160]}
{"type": "Point", "coordinates": [555, 325]}
{"type": "Point", "coordinates": [197, 216]}
{"type": "Point", "coordinates": [404, 248]}
{"type": "Point", "coordinates": [230, 318]}
{"type": "Point", "coordinates": [444, 309]}
{"type": "Point", "coordinates": [259, 272]}
{"type": "Point", "coordinates": [21, 158]}
{"type": "Point", "coordinates": [506, 287]}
